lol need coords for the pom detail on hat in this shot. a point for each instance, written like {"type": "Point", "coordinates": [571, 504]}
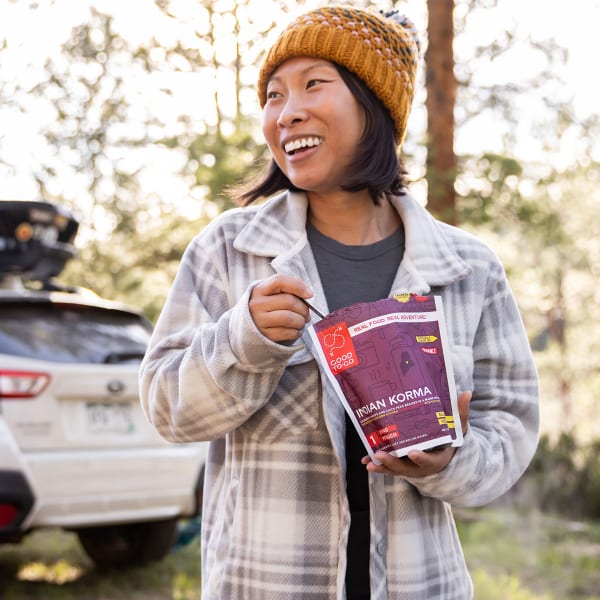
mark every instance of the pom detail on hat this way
{"type": "Point", "coordinates": [381, 49]}
{"type": "Point", "coordinates": [405, 22]}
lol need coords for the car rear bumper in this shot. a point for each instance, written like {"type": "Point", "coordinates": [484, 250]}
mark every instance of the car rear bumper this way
{"type": "Point", "coordinates": [97, 488]}
{"type": "Point", "coordinates": [16, 501]}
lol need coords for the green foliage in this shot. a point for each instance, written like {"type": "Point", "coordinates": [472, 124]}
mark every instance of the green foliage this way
{"type": "Point", "coordinates": [488, 587]}
{"type": "Point", "coordinates": [218, 161]}
{"type": "Point", "coordinates": [491, 196]}
{"type": "Point", "coordinates": [565, 475]}
{"type": "Point", "coordinates": [137, 270]}
{"type": "Point", "coordinates": [87, 91]}
{"type": "Point", "coordinates": [523, 553]}
{"type": "Point", "coordinates": [542, 225]}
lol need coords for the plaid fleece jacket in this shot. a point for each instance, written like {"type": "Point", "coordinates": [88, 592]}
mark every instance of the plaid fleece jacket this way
{"type": "Point", "coordinates": [275, 514]}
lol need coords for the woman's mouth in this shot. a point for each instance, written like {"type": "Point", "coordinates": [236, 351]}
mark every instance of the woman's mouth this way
{"type": "Point", "coordinates": [302, 144]}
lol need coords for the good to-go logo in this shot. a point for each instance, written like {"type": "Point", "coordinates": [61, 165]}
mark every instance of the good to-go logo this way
{"type": "Point", "coordinates": [338, 347]}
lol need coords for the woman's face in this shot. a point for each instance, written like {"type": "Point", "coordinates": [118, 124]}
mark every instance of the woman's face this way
{"type": "Point", "coordinates": [312, 124]}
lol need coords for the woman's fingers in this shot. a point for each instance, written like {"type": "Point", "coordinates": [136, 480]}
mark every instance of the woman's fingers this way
{"type": "Point", "coordinates": [277, 309]}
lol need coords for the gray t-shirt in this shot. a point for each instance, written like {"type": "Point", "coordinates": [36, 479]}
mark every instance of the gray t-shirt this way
{"type": "Point", "coordinates": [351, 274]}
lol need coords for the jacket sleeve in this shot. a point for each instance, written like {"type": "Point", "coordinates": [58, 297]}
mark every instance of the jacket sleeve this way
{"type": "Point", "coordinates": [503, 425]}
{"type": "Point", "coordinates": [208, 368]}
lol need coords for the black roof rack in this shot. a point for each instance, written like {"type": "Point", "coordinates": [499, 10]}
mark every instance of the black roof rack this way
{"type": "Point", "coordinates": [36, 238]}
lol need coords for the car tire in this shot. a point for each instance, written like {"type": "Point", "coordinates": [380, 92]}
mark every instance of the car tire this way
{"type": "Point", "coordinates": [129, 544]}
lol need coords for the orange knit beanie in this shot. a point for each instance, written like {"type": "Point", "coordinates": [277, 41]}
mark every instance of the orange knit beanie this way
{"type": "Point", "coordinates": [382, 49]}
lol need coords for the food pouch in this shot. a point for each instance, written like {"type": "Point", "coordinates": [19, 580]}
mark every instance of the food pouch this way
{"type": "Point", "coordinates": [387, 361]}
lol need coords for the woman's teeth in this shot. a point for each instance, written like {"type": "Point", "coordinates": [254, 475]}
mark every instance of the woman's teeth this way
{"type": "Point", "coordinates": [308, 142]}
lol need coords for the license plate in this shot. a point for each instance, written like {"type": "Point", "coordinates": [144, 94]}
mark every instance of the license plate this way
{"type": "Point", "coordinates": [109, 417]}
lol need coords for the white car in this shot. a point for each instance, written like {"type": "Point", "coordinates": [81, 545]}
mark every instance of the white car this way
{"type": "Point", "coordinates": [76, 450]}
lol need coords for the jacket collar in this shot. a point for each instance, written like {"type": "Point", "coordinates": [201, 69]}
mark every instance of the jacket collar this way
{"type": "Point", "coordinates": [284, 218]}
{"type": "Point", "coordinates": [430, 255]}
{"type": "Point", "coordinates": [430, 258]}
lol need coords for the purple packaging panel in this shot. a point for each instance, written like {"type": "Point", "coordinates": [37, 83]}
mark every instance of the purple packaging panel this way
{"type": "Point", "coordinates": [387, 360]}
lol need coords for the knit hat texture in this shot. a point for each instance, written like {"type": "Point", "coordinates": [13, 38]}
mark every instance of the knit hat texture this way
{"type": "Point", "coordinates": [381, 49]}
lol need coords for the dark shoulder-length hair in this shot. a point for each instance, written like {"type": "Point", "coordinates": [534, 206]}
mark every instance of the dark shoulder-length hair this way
{"type": "Point", "coordinates": [377, 165]}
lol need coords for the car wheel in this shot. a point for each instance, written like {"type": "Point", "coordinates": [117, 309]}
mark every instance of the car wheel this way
{"type": "Point", "coordinates": [128, 544]}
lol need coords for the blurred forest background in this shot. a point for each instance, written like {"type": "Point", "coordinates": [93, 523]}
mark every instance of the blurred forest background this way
{"type": "Point", "coordinates": [138, 114]}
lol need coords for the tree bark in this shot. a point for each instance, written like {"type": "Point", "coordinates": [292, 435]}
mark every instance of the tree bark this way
{"type": "Point", "coordinates": [441, 98]}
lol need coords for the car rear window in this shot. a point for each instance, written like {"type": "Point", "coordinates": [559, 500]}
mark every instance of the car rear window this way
{"type": "Point", "coordinates": [72, 333]}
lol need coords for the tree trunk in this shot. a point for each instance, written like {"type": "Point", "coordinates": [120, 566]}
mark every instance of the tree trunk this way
{"type": "Point", "coordinates": [441, 97]}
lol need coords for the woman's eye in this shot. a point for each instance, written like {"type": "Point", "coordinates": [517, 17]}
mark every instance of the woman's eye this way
{"type": "Point", "coordinates": [313, 82]}
{"type": "Point", "coordinates": [272, 94]}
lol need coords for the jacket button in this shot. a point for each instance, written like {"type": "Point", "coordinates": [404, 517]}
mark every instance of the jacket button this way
{"type": "Point", "coordinates": [381, 548]}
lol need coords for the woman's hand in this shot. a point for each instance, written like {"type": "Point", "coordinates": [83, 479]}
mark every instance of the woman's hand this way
{"type": "Point", "coordinates": [276, 309]}
{"type": "Point", "coordinates": [419, 463]}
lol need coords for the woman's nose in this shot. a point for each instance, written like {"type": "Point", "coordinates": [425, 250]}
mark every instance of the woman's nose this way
{"type": "Point", "coordinates": [292, 113]}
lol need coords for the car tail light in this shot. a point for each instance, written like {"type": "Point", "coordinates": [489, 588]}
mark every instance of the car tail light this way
{"type": "Point", "coordinates": [8, 512]}
{"type": "Point", "coordinates": [22, 384]}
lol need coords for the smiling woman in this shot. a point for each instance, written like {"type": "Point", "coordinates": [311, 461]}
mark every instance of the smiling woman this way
{"type": "Point", "coordinates": [298, 87]}
{"type": "Point", "coordinates": [232, 359]}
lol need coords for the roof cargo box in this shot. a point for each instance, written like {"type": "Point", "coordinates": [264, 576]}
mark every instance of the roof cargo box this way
{"type": "Point", "coordinates": [36, 238]}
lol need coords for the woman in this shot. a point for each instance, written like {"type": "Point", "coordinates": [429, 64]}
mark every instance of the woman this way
{"type": "Point", "coordinates": [292, 507]}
